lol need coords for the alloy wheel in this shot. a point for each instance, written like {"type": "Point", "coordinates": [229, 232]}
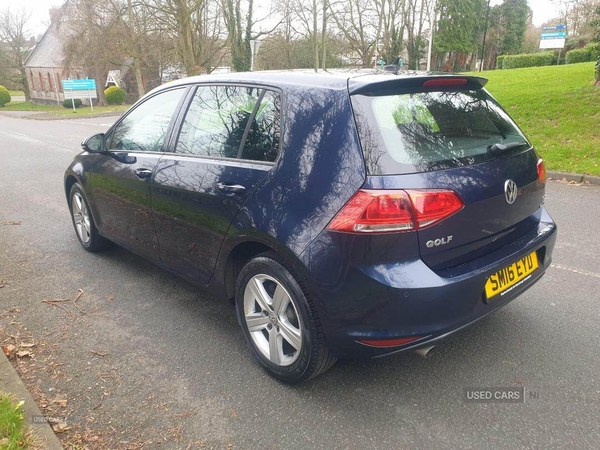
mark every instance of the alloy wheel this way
{"type": "Point", "coordinates": [81, 217]}
{"type": "Point", "coordinates": [272, 320]}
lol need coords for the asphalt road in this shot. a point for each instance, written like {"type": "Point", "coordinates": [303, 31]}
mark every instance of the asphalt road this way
{"type": "Point", "coordinates": [144, 357]}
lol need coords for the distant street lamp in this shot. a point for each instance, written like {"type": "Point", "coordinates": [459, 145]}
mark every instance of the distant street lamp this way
{"type": "Point", "coordinates": [487, 15]}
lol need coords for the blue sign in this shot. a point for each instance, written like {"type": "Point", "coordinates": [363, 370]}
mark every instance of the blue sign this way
{"type": "Point", "coordinates": [79, 85]}
{"type": "Point", "coordinates": [554, 28]}
{"type": "Point", "coordinates": [559, 35]}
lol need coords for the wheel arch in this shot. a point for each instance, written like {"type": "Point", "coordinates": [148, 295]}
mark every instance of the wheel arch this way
{"type": "Point", "coordinates": [70, 180]}
{"type": "Point", "coordinates": [244, 251]}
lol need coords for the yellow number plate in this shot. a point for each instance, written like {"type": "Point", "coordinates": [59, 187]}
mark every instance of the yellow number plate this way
{"type": "Point", "coordinates": [511, 276]}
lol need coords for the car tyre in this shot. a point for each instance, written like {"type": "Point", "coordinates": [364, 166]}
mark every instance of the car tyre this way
{"type": "Point", "coordinates": [279, 321]}
{"type": "Point", "coordinates": [83, 222]}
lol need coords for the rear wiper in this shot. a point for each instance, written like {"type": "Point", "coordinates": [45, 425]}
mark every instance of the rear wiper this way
{"type": "Point", "coordinates": [496, 149]}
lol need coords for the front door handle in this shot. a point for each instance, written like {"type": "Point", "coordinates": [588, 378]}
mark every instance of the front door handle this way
{"type": "Point", "coordinates": [143, 173]}
{"type": "Point", "coordinates": [231, 188]}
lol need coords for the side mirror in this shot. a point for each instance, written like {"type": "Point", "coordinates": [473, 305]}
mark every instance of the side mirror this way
{"type": "Point", "coordinates": [95, 143]}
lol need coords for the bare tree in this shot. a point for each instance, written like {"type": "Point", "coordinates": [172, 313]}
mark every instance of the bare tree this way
{"type": "Point", "coordinates": [16, 37]}
{"type": "Point", "coordinates": [360, 24]}
{"type": "Point", "coordinates": [393, 27]}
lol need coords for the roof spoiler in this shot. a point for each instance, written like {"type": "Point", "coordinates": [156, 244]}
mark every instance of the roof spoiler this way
{"type": "Point", "coordinates": [382, 85]}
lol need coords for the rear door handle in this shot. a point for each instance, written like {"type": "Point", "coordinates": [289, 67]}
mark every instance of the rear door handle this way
{"type": "Point", "coordinates": [143, 173]}
{"type": "Point", "coordinates": [231, 188]}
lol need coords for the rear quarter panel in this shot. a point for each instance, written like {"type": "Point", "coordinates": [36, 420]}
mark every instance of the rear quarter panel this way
{"type": "Point", "coordinates": [320, 167]}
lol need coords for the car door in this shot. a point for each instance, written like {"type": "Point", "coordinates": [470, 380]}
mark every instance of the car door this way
{"type": "Point", "coordinates": [120, 178]}
{"type": "Point", "coordinates": [228, 141]}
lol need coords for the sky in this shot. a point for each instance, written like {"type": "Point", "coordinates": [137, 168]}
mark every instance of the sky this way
{"type": "Point", "coordinates": [543, 10]}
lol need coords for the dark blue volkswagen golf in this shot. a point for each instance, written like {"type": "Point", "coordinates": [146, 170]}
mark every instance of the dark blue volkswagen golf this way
{"type": "Point", "coordinates": [347, 215]}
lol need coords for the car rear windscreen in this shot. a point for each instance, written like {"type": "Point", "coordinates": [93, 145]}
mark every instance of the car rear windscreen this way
{"type": "Point", "coordinates": [425, 131]}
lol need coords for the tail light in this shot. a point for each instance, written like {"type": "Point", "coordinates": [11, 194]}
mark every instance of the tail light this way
{"type": "Point", "coordinates": [383, 211]}
{"type": "Point", "coordinates": [541, 170]}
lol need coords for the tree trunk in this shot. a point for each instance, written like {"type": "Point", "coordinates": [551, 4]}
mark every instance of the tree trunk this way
{"type": "Point", "coordinates": [315, 30]}
{"type": "Point", "coordinates": [137, 63]}
{"type": "Point", "coordinates": [324, 36]}
{"type": "Point", "coordinates": [25, 83]}
{"type": "Point", "coordinates": [100, 79]}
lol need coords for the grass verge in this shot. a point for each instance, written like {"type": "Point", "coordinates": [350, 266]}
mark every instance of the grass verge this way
{"type": "Point", "coordinates": [59, 111]}
{"type": "Point", "coordinates": [13, 432]}
{"type": "Point", "coordinates": [558, 109]}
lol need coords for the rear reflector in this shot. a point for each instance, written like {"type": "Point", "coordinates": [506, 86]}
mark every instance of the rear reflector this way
{"type": "Point", "coordinates": [389, 342]}
{"type": "Point", "coordinates": [445, 82]}
{"type": "Point", "coordinates": [541, 170]}
{"type": "Point", "coordinates": [384, 211]}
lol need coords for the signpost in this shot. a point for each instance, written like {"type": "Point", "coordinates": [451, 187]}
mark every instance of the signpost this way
{"type": "Point", "coordinates": [254, 46]}
{"type": "Point", "coordinates": [79, 89]}
{"type": "Point", "coordinates": [554, 37]}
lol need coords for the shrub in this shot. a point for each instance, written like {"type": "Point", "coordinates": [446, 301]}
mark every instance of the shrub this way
{"type": "Point", "coordinates": [115, 95]}
{"type": "Point", "coordinates": [594, 49]}
{"type": "Point", "coordinates": [578, 55]}
{"type": "Point", "coordinates": [529, 60]}
{"type": "Point", "coordinates": [67, 103]}
{"type": "Point", "coordinates": [500, 61]}
{"type": "Point", "coordinates": [4, 96]}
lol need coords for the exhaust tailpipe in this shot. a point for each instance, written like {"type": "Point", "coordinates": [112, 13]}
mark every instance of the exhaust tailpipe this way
{"type": "Point", "coordinates": [426, 352]}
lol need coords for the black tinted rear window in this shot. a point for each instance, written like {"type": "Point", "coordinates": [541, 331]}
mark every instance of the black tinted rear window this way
{"type": "Point", "coordinates": [426, 131]}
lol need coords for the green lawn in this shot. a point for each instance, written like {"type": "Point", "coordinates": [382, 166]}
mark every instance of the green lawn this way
{"type": "Point", "coordinates": [60, 111]}
{"type": "Point", "coordinates": [558, 108]}
{"type": "Point", "coordinates": [27, 106]}
{"type": "Point", "coordinates": [13, 432]}
{"type": "Point", "coordinates": [18, 93]}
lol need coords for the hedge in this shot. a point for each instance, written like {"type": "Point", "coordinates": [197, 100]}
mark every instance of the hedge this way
{"type": "Point", "coordinates": [68, 103]}
{"type": "Point", "coordinates": [529, 60]}
{"type": "Point", "coordinates": [594, 49]}
{"type": "Point", "coordinates": [4, 96]}
{"type": "Point", "coordinates": [115, 95]}
{"type": "Point", "coordinates": [578, 55]}
{"type": "Point", "coordinates": [500, 61]}
{"type": "Point", "coordinates": [590, 52]}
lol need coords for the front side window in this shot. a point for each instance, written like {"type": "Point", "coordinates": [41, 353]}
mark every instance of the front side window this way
{"type": "Point", "coordinates": [229, 122]}
{"type": "Point", "coordinates": [145, 128]}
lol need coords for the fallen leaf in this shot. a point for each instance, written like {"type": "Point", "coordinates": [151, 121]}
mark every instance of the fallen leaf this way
{"type": "Point", "coordinates": [9, 350]}
{"type": "Point", "coordinates": [24, 345]}
{"type": "Point", "coordinates": [60, 427]}
{"type": "Point", "coordinates": [11, 222]}
{"type": "Point", "coordinates": [3, 441]}
{"type": "Point", "coordinates": [60, 401]}
{"type": "Point", "coordinates": [110, 298]}
{"type": "Point", "coordinates": [23, 354]}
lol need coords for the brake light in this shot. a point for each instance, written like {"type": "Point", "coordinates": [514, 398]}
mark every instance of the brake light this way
{"type": "Point", "coordinates": [383, 211]}
{"type": "Point", "coordinates": [541, 170]}
{"type": "Point", "coordinates": [445, 82]}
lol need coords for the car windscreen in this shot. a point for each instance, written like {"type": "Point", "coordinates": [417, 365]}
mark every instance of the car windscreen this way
{"type": "Point", "coordinates": [425, 131]}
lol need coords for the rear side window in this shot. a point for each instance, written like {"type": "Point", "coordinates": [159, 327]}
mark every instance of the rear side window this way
{"type": "Point", "coordinates": [427, 131]}
{"type": "Point", "coordinates": [262, 142]}
{"type": "Point", "coordinates": [221, 118]}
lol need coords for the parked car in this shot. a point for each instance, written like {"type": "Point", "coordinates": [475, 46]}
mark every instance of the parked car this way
{"type": "Point", "coordinates": [347, 215]}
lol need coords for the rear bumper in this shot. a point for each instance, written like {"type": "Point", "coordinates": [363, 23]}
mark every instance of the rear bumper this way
{"type": "Point", "coordinates": [408, 299]}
